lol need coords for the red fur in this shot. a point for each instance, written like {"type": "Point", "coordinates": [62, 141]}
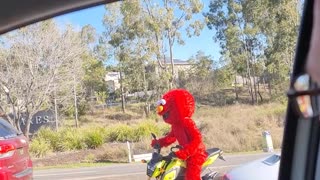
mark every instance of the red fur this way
{"type": "Point", "coordinates": [180, 105]}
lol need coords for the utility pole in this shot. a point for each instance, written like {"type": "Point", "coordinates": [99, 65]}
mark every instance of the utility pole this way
{"type": "Point", "coordinates": [55, 106]}
{"type": "Point", "coordinates": [123, 101]}
{"type": "Point", "coordinates": [75, 100]}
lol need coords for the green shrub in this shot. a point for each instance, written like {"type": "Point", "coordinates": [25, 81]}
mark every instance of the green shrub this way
{"type": "Point", "coordinates": [134, 133]}
{"type": "Point", "coordinates": [120, 132]}
{"type": "Point", "coordinates": [39, 147]}
{"type": "Point", "coordinates": [144, 129]}
{"type": "Point", "coordinates": [94, 138]}
{"type": "Point", "coordinates": [164, 129]}
{"type": "Point", "coordinates": [72, 139]}
{"type": "Point", "coordinates": [51, 137]}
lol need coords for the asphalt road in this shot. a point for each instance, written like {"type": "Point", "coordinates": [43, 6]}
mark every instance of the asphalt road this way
{"type": "Point", "coordinates": [133, 171]}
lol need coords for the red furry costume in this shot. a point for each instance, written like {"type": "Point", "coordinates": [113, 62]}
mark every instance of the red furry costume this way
{"type": "Point", "coordinates": [177, 108]}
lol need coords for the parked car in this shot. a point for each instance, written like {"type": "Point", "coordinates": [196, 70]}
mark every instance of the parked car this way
{"type": "Point", "coordinates": [15, 161]}
{"type": "Point", "coordinates": [262, 169]}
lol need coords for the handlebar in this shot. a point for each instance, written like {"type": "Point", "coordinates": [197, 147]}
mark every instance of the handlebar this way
{"type": "Point", "coordinates": [169, 157]}
{"type": "Point", "coordinates": [156, 146]}
{"type": "Point", "coordinates": [175, 147]}
{"type": "Point", "coordinates": [154, 136]}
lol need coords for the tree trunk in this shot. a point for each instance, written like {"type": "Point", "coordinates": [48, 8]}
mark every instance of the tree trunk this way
{"type": "Point", "coordinates": [145, 89]}
{"type": "Point", "coordinates": [17, 118]}
{"type": "Point", "coordinates": [27, 127]}
{"type": "Point", "coordinates": [255, 90]}
{"type": "Point", "coordinates": [17, 121]}
{"type": "Point", "coordinates": [251, 93]}
{"type": "Point", "coordinates": [251, 63]}
{"type": "Point", "coordinates": [56, 113]}
{"type": "Point", "coordinates": [235, 87]}
{"type": "Point", "coordinates": [75, 102]}
{"type": "Point", "coordinates": [264, 84]}
{"type": "Point", "coordinates": [172, 63]}
{"type": "Point", "coordinates": [250, 83]}
{"type": "Point", "coordinates": [269, 88]}
{"type": "Point", "coordinates": [122, 94]}
{"type": "Point", "coordinates": [261, 99]}
{"type": "Point", "coordinates": [243, 81]}
{"type": "Point", "coordinates": [56, 109]}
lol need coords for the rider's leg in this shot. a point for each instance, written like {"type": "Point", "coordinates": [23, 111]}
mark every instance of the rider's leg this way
{"type": "Point", "coordinates": [194, 166]}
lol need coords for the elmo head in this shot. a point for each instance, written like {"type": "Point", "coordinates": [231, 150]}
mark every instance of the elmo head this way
{"type": "Point", "coordinates": [175, 106]}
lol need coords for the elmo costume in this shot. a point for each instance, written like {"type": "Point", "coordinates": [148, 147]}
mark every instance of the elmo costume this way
{"type": "Point", "coordinates": [177, 107]}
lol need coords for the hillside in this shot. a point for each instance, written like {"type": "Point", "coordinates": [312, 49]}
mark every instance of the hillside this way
{"type": "Point", "coordinates": [233, 128]}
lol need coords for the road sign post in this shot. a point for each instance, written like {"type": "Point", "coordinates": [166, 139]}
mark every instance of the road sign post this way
{"type": "Point", "coordinates": [267, 142]}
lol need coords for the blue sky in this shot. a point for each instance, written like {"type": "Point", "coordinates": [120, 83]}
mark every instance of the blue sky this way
{"type": "Point", "coordinates": [204, 42]}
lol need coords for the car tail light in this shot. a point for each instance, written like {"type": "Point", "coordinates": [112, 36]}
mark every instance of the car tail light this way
{"type": "Point", "coordinates": [6, 150]}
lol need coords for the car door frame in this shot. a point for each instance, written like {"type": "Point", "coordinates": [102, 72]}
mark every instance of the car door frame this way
{"type": "Point", "coordinates": [301, 136]}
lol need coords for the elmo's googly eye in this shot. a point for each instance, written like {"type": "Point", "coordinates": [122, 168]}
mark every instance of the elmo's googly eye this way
{"type": "Point", "coordinates": [161, 102]}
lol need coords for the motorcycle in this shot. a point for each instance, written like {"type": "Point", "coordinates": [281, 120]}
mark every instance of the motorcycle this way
{"type": "Point", "coordinates": [171, 168]}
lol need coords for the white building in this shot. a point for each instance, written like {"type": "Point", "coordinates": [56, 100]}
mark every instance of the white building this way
{"type": "Point", "coordinates": [179, 65]}
{"type": "Point", "coordinates": [113, 81]}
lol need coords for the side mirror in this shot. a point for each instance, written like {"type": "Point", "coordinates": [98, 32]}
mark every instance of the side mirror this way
{"type": "Point", "coordinates": [304, 95]}
{"type": "Point", "coordinates": [304, 102]}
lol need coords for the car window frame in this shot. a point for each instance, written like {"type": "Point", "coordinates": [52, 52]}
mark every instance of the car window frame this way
{"type": "Point", "coordinates": [301, 136]}
{"type": "Point", "coordinates": [290, 140]}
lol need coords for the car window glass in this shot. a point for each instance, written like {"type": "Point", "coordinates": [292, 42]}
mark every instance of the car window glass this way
{"type": "Point", "coordinates": [94, 76]}
{"type": "Point", "coordinates": [6, 130]}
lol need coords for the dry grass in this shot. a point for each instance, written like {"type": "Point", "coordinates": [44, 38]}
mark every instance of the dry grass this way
{"type": "Point", "coordinates": [233, 128]}
{"type": "Point", "coordinates": [114, 153]}
{"type": "Point", "coordinates": [239, 127]}
{"type": "Point", "coordinates": [111, 152]}
{"type": "Point", "coordinates": [110, 115]}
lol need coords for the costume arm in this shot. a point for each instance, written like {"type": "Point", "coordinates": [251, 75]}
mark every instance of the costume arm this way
{"type": "Point", "coordinates": [196, 139]}
{"type": "Point", "coordinates": [167, 140]}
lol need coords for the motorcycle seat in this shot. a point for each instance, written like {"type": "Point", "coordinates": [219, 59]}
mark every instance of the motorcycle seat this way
{"type": "Point", "coordinates": [213, 151]}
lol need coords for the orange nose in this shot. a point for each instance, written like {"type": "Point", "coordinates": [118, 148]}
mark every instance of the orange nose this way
{"type": "Point", "coordinates": [159, 109]}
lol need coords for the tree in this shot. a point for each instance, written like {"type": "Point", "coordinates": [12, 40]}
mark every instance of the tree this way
{"type": "Point", "coordinates": [202, 65]}
{"type": "Point", "coordinates": [138, 33]}
{"type": "Point", "coordinates": [226, 17]}
{"type": "Point", "coordinates": [257, 38]}
{"type": "Point", "coordinates": [199, 75]}
{"type": "Point", "coordinates": [94, 75]}
{"type": "Point", "coordinates": [129, 41]}
{"type": "Point", "coordinates": [280, 30]}
{"type": "Point", "coordinates": [166, 20]}
{"type": "Point", "coordinates": [34, 66]}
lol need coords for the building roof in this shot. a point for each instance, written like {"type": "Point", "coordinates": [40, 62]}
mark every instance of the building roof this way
{"type": "Point", "coordinates": [112, 76]}
{"type": "Point", "coordinates": [177, 61]}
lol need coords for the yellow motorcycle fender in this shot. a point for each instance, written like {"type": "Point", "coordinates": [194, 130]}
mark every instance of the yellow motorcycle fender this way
{"type": "Point", "coordinates": [173, 169]}
{"type": "Point", "coordinates": [159, 169]}
{"type": "Point", "coordinates": [210, 160]}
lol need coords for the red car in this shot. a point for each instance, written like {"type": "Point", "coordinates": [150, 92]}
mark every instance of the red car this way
{"type": "Point", "coordinates": [15, 161]}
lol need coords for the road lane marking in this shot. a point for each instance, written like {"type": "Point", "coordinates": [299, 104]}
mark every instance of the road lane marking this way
{"type": "Point", "coordinates": [58, 173]}
{"type": "Point", "coordinates": [105, 176]}
{"type": "Point", "coordinates": [118, 175]}
{"type": "Point", "coordinates": [109, 176]}
{"type": "Point", "coordinates": [220, 167]}
{"type": "Point", "coordinates": [227, 166]}
{"type": "Point", "coordinates": [131, 174]}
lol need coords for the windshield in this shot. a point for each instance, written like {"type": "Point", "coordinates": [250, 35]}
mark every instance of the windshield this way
{"type": "Point", "coordinates": [89, 87]}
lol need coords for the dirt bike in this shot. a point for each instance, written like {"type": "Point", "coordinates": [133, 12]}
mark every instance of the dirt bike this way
{"type": "Point", "coordinates": [171, 168]}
